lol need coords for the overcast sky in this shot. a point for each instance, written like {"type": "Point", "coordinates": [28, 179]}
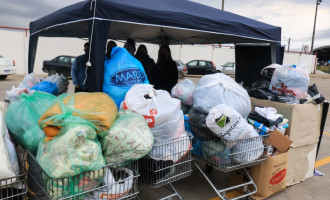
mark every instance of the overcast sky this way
{"type": "Point", "coordinates": [296, 17]}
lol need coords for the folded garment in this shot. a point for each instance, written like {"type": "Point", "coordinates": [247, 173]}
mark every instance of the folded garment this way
{"type": "Point", "coordinates": [268, 112]}
{"type": "Point", "coordinates": [267, 122]}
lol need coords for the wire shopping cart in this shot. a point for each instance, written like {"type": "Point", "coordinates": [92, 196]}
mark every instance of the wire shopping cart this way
{"type": "Point", "coordinates": [116, 181]}
{"type": "Point", "coordinates": [15, 187]}
{"type": "Point", "coordinates": [169, 161]}
{"type": "Point", "coordinates": [228, 156]}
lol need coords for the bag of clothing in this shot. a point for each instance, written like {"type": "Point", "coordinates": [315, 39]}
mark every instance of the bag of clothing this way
{"type": "Point", "coordinates": [289, 81]}
{"type": "Point", "coordinates": [128, 139]}
{"type": "Point", "coordinates": [198, 125]}
{"type": "Point", "coordinates": [8, 158]}
{"type": "Point", "coordinates": [11, 95]}
{"type": "Point", "coordinates": [219, 88]}
{"type": "Point", "coordinates": [121, 72]}
{"type": "Point", "coordinates": [116, 184]}
{"type": "Point", "coordinates": [227, 123]}
{"type": "Point", "coordinates": [313, 96]}
{"type": "Point", "coordinates": [29, 81]}
{"type": "Point", "coordinates": [95, 109]}
{"type": "Point", "coordinates": [47, 87]}
{"type": "Point", "coordinates": [267, 72]}
{"type": "Point", "coordinates": [22, 118]}
{"type": "Point", "coordinates": [60, 81]}
{"type": "Point", "coordinates": [161, 111]}
{"type": "Point", "coordinates": [248, 149]}
{"type": "Point", "coordinates": [216, 152]}
{"type": "Point", "coordinates": [184, 91]}
{"type": "Point", "coordinates": [73, 151]}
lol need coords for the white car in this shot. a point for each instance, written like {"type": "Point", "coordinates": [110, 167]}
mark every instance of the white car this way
{"type": "Point", "coordinates": [7, 67]}
{"type": "Point", "coordinates": [228, 68]}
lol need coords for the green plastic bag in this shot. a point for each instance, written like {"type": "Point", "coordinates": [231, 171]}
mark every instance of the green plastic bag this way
{"type": "Point", "coordinates": [128, 139]}
{"type": "Point", "coordinates": [74, 150]}
{"type": "Point", "coordinates": [23, 116]}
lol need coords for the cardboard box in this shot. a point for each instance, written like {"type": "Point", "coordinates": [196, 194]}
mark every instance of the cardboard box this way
{"type": "Point", "coordinates": [304, 120]}
{"type": "Point", "coordinates": [270, 177]}
{"type": "Point", "coordinates": [280, 141]}
{"type": "Point", "coordinates": [301, 163]}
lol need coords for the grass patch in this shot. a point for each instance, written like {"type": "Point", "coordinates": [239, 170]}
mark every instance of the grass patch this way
{"type": "Point", "coordinates": [325, 69]}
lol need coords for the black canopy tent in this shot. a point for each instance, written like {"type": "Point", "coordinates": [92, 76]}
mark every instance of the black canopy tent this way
{"type": "Point", "coordinates": [150, 21]}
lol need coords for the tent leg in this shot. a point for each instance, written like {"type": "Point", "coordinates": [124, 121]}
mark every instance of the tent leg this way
{"type": "Point", "coordinates": [273, 52]}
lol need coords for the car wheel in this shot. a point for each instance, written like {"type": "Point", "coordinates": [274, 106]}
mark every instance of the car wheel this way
{"type": "Point", "coordinates": [180, 75]}
{"type": "Point", "coordinates": [218, 71]}
{"type": "Point", "coordinates": [51, 72]}
{"type": "Point", "coordinates": [3, 77]}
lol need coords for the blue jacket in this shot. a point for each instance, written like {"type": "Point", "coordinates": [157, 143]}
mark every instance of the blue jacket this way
{"type": "Point", "coordinates": [78, 71]}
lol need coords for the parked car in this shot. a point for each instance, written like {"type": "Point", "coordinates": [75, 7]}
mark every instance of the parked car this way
{"type": "Point", "coordinates": [60, 64]}
{"type": "Point", "coordinates": [7, 67]}
{"type": "Point", "coordinates": [182, 69]}
{"type": "Point", "coordinates": [201, 67]}
{"type": "Point", "coordinates": [228, 68]}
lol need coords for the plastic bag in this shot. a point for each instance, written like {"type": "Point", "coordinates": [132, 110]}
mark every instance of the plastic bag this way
{"type": "Point", "coordinates": [6, 168]}
{"type": "Point", "coordinates": [94, 109]}
{"type": "Point", "coordinates": [184, 91]}
{"type": "Point", "coordinates": [161, 111]}
{"type": "Point", "coordinates": [289, 81]}
{"type": "Point", "coordinates": [73, 151]}
{"type": "Point", "coordinates": [60, 81]}
{"type": "Point", "coordinates": [114, 187]}
{"type": "Point", "coordinates": [121, 72]}
{"type": "Point", "coordinates": [198, 119]}
{"type": "Point", "coordinates": [22, 118]}
{"type": "Point", "coordinates": [313, 96]}
{"type": "Point", "coordinates": [216, 152]}
{"type": "Point", "coordinates": [227, 123]}
{"type": "Point", "coordinates": [218, 88]}
{"type": "Point", "coordinates": [128, 139]}
{"type": "Point", "coordinates": [11, 95]}
{"type": "Point", "coordinates": [267, 72]}
{"type": "Point", "coordinates": [29, 81]}
{"type": "Point", "coordinates": [46, 86]}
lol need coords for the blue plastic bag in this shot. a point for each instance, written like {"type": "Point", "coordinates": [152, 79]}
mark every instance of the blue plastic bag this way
{"type": "Point", "coordinates": [121, 72]}
{"type": "Point", "coordinates": [47, 87]}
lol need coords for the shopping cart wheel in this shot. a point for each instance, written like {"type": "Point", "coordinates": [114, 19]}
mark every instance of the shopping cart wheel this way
{"type": "Point", "coordinates": [208, 168]}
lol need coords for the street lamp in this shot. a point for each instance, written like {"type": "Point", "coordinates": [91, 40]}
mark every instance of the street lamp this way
{"type": "Point", "coordinates": [318, 2]}
{"type": "Point", "coordinates": [223, 4]}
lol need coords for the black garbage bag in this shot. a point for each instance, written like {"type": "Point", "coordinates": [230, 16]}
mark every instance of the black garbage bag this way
{"type": "Point", "coordinates": [313, 96]}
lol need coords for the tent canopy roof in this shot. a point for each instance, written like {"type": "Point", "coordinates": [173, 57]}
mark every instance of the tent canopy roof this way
{"type": "Point", "coordinates": [156, 21]}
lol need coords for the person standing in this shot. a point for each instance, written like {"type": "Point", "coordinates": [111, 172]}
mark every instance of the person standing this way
{"type": "Point", "coordinates": [110, 45]}
{"type": "Point", "coordinates": [165, 73]}
{"type": "Point", "coordinates": [147, 62]}
{"type": "Point", "coordinates": [130, 46]}
{"type": "Point", "coordinates": [78, 71]}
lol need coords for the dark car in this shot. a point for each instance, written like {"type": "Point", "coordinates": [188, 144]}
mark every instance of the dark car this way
{"type": "Point", "coordinates": [60, 65]}
{"type": "Point", "coordinates": [201, 67]}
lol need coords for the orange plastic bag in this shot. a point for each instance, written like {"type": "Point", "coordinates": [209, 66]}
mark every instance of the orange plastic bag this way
{"type": "Point", "coordinates": [95, 109]}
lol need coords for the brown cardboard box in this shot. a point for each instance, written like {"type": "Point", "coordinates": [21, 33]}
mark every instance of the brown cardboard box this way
{"type": "Point", "coordinates": [269, 177]}
{"type": "Point", "coordinates": [280, 141]}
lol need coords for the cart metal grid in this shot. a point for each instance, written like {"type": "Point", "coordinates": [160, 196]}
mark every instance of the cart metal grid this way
{"type": "Point", "coordinates": [121, 180]}
{"type": "Point", "coordinates": [174, 164]}
{"type": "Point", "coordinates": [228, 156]}
{"type": "Point", "coordinates": [15, 187]}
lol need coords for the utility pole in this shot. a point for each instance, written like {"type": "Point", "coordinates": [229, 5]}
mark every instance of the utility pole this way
{"type": "Point", "coordinates": [318, 2]}
{"type": "Point", "coordinates": [223, 4]}
{"type": "Point", "coordinates": [289, 44]}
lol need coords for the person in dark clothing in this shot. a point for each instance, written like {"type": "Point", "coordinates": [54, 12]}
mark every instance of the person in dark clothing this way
{"type": "Point", "coordinates": [78, 71]}
{"type": "Point", "coordinates": [147, 62]}
{"type": "Point", "coordinates": [110, 45]}
{"type": "Point", "coordinates": [130, 46]}
{"type": "Point", "coordinates": [165, 73]}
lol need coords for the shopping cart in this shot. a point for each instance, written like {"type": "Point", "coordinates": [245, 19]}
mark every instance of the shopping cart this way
{"type": "Point", "coordinates": [115, 181]}
{"type": "Point", "coordinates": [14, 187]}
{"type": "Point", "coordinates": [228, 156]}
{"type": "Point", "coordinates": [169, 161]}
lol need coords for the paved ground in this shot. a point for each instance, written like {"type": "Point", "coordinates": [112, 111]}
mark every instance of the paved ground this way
{"type": "Point", "coordinates": [195, 187]}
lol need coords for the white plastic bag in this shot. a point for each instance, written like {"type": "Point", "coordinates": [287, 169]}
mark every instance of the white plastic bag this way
{"type": "Point", "coordinates": [249, 149]}
{"type": "Point", "coordinates": [161, 111]}
{"type": "Point", "coordinates": [29, 81]}
{"type": "Point", "coordinates": [113, 189]}
{"type": "Point", "coordinates": [290, 81]}
{"type": "Point", "coordinates": [218, 88]}
{"type": "Point", "coordinates": [184, 91]}
{"type": "Point", "coordinates": [59, 80]}
{"type": "Point", "coordinates": [6, 168]}
{"type": "Point", "coordinates": [227, 123]}
{"type": "Point", "coordinates": [11, 95]}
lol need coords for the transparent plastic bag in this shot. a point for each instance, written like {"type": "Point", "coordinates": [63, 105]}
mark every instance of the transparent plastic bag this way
{"type": "Point", "coordinates": [128, 139]}
{"type": "Point", "coordinates": [23, 115]}
{"type": "Point", "coordinates": [184, 91]}
{"type": "Point", "coordinates": [74, 150]}
{"type": "Point", "coordinates": [29, 81]}
{"type": "Point", "coordinates": [11, 95]}
{"type": "Point", "coordinates": [290, 81]}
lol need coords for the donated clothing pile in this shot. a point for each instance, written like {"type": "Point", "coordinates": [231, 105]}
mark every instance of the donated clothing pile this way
{"type": "Point", "coordinates": [121, 72]}
{"type": "Point", "coordinates": [285, 84]}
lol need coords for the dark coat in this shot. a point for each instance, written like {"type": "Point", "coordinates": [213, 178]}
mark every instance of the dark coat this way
{"type": "Point", "coordinates": [164, 76]}
{"type": "Point", "coordinates": [147, 62]}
